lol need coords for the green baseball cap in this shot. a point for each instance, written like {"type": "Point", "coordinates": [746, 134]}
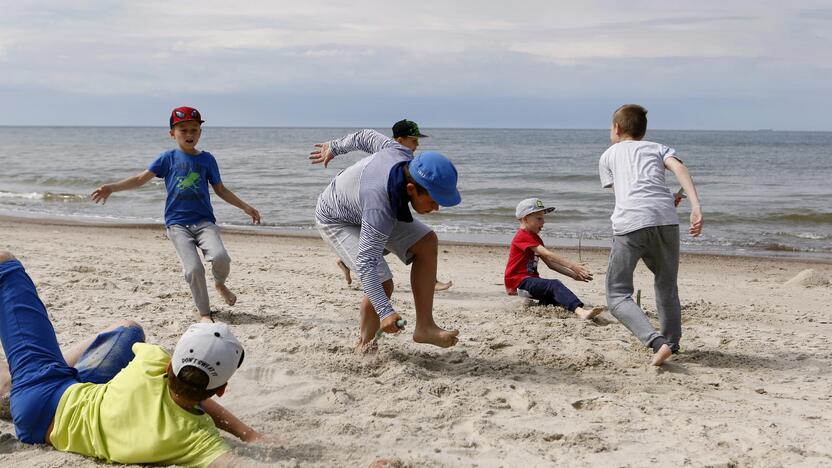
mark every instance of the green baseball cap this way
{"type": "Point", "coordinates": [407, 128]}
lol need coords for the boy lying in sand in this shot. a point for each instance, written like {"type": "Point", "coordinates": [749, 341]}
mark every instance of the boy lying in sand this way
{"type": "Point", "coordinates": [521, 275]}
{"type": "Point", "coordinates": [157, 409]}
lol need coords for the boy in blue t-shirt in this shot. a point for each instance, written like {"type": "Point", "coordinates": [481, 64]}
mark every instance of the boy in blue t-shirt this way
{"type": "Point", "coordinates": [189, 217]}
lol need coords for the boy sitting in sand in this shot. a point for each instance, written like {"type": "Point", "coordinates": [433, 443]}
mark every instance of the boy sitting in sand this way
{"type": "Point", "coordinates": [645, 227]}
{"type": "Point", "coordinates": [156, 410]}
{"type": "Point", "coordinates": [364, 212]}
{"type": "Point", "coordinates": [521, 276]}
{"type": "Point", "coordinates": [405, 132]}
{"type": "Point", "coordinates": [189, 217]}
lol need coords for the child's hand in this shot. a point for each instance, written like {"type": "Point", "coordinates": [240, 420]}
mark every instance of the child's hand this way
{"type": "Point", "coordinates": [388, 325]}
{"type": "Point", "coordinates": [322, 155]}
{"type": "Point", "coordinates": [696, 221]}
{"type": "Point", "coordinates": [581, 273]}
{"type": "Point", "coordinates": [254, 437]}
{"type": "Point", "coordinates": [101, 194]}
{"type": "Point", "coordinates": [255, 215]}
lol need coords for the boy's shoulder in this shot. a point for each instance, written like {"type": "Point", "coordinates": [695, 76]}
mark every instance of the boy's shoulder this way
{"type": "Point", "coordinates": [633, 145]}
{"type": "Point", "coordinates": [525, 237]}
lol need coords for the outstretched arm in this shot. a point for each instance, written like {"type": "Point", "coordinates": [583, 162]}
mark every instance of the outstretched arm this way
{"type": "Point", "coordinates": [369, 141]}
{"type": "Point", "coordinates": [102, 193]}
{"type": "Point", "coordinates": [226, 421]}
{"type": "Point", "coordinates": [561, 265]}
{"type": "Point", "coordinates": [683, 176]}
{"type": "Point", "coordinates": [226, 194]}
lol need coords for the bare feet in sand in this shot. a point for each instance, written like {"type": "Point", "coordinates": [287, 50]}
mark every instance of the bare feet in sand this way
{"type": "Point", "coordinates": [436, 336]}
{"type": "Point", "coordinates": [588, 314]}
{"type": "Point", "coordinates": [440, 286]}
{"type": "Point", "coordinates": [365, 349]}
{"type": "Point", "coordinates": [229, 297]}
{"type": "Point", "coordinates": [661, 355]}
{"type": "Point", "coordinates": [345, 270]}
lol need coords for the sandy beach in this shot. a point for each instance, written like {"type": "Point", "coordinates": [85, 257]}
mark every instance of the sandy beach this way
{"type": "Point", "coordinates": [525, 386]}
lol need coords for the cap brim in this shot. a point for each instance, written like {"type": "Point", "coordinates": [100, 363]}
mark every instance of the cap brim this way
{"type": "Point", "coordinates": [447, 199]}
{"type": "Point", "coordinates": [421, 135]}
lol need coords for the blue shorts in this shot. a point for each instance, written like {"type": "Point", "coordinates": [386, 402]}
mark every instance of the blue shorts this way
{"type": "Point", "coordinates": [108, 354]}
{"type": "Point", "coordinates": [40, 375]}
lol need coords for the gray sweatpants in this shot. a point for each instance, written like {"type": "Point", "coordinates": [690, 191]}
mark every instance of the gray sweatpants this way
{"type": "Point", "coordinates": [658, 247]}
{"type": "Point", "coordinates": [188, 240]}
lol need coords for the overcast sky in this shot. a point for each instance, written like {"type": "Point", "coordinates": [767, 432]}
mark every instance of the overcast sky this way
{"type": "Point", "coordinates": [544, 64]}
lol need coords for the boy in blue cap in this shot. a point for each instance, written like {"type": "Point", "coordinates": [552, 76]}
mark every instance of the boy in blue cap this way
{"type": "Point", "coordinates": [189, 216]}
{"type": "Point", "coordinates": [364, 212]}
{"type": "Point", "coordinates": [405, 133]}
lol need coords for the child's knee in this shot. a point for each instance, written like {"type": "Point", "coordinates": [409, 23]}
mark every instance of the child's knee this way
{"type": "Point", "coordinates": [194, 271]}
{"type": "Point", "coordinates": [5, 256]}
{"type": "Point", "coordinates": [127, 323]}
{"type": "Point", "coordinates": [221, 259]}
{"type": "Point", "coordinates": [427, 245]}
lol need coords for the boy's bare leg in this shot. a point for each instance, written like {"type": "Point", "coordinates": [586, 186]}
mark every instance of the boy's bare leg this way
{"type": "Point", "coordinates": [588, 314]}
{"type": "Point", "coordinates": [229, 297]}
{"type": "Point", "coordinates": [440, 286]}
{"type": "Point", "coordinates": [370, 322]}
{"type": "Point", "coordinates": [423, 282]}
{"type": "Point", "coordinates": [661, 355]}
{"type": "Point", "coordinates": [345, 270]}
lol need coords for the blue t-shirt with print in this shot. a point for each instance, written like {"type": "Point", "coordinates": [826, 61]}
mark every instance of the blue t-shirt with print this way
{"type": "Point", "coordinates": [186, 179]}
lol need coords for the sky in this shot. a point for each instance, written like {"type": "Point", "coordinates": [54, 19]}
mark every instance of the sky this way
{"type": "Point", "coordinates": [707, 65]}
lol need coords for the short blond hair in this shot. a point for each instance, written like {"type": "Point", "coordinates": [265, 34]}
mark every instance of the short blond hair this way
{"type": "Point", "coordinates": [631, 120]}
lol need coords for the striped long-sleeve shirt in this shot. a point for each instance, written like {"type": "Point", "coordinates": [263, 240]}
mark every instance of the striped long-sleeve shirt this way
{"type": "Point", "coordinates": [369, 141]}
{"type": "Point", "coordinates": [358, 196]}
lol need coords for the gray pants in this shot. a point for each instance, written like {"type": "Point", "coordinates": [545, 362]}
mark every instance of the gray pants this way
{"type": "Point", "coordinates": [658, 247]}
{"type": "Point", "coordinates": [188, 240]}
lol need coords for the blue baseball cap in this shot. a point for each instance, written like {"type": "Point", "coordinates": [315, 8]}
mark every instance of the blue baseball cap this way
{"type": "Point", "coordinates": [438, 176]}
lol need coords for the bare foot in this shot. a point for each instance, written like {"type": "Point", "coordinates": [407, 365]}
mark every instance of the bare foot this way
{"type": "Point", "coordinates": [436, 336]}
{"type": "Point", "coordinates": [588, 314]}
{"type": "Point", "coordinates": [661, 355]}
{"type": "Point", "coordinates": [440, 286]}
{"type": "Point", "coordinates": [206, 319]}
{"type": "Point", "coordinates": [365, 349]}
{"type": "Point", "coordinates": [229, 297]}
{"type": "Point", "coordinates": [346, 271]}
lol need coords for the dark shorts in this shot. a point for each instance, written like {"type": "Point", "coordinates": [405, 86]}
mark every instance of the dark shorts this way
{"type": "Point", "coordinates": [40, 376]}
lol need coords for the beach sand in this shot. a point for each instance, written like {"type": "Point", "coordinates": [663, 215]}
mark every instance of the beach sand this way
{"type": "Point", "coordinates": [525, 386]}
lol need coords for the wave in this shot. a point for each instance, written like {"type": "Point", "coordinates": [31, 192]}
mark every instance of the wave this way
{"type": "Point", "coordinates": [46, 196]}
{"type": "Point", "coordinates": [809, 218]}
{"type": "Point", "coordinates": [804, 218]}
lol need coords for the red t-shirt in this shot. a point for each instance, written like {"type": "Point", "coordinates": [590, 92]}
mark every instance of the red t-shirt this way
{"type": "Point", "coordinates": [522, 261]}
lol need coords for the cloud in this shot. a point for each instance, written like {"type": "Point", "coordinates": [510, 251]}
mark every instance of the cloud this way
{"type": "Point", "coordinates": [473, 49]}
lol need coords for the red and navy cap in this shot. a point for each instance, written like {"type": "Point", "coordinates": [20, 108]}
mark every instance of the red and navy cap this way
{"type": "Point", "coordinates": [183, 114]}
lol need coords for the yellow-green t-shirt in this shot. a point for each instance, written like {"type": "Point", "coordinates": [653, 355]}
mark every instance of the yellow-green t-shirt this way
{"type": "Point", "coordinates": [132, 418]}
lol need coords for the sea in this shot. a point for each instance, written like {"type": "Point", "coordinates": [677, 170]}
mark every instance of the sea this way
{"type": "Point", "coordinates": [763, 193]}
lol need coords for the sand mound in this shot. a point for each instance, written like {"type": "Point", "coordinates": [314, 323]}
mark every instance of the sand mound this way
{"type": "Point", "coordinates": [808, 279]}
